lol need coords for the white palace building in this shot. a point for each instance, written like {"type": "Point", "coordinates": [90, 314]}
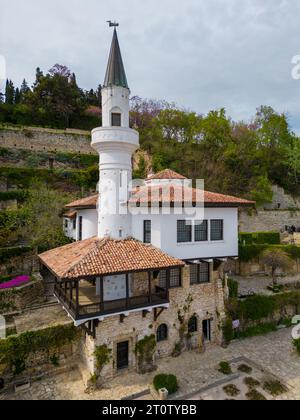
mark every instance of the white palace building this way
{"type": "Point", "coordinates": [147, 260]}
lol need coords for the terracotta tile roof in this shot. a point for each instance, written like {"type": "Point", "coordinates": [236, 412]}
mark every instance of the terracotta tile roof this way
{"type": "Point", "coordinates": [70, 214]}
{"type": "Point", "coordinates": [100, 257]}
{"type": "Point", "coordinates": [176, 194]}
{"type": "Point", "coordinates": [87, 202]}
{"type": "Point", "coordinates": [166, 174]}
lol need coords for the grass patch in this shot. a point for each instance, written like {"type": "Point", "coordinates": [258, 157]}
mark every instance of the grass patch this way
{"type": "Point", "coordinates": [274, 387]}
{"type": "Point", "coordinates": [231, 390]}
{"type": "Point", "coordinates": [225, 368]}
{"type": "Point", "coordinates": [245, 369]}
{"type": "Point", "coordinates": [259, 329]}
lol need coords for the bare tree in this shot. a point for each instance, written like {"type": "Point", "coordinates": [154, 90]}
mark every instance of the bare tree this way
{"type": "Point", "coordinates": [276, 259]}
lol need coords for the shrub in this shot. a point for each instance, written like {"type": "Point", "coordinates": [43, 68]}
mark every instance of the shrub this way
{"type": "Point", "coordinates": [245, 368]}
{"type": "Point", "coordinates": [228, 333]}
{"type": "Point", "coordinates": [254, 395]}
{"type": "Point", "coordinates": [297, 345]}
{"type": "Point", "coordinates": [231, 390]}
{"type": "Point", "coordinates": [233, 287]}
{"type": "Point", "coordinates": [225, 368]}
{"type": "Point", "coordinates": [274, 387]}
{"type": "Point", "coordinates": [252, 251]}
{"type": "Point", "coordinates": [259, 329]}
{"type": "Point", "coordinates": [271, 238]}
{"type": "Point", "coordinates": [251, 383]}
{"type": "Point", "coordinates": [102, 355]}
{"type": "Point", "coordinates": [8, 253]}
{"type": "Point", "coordinates": [169, 382]}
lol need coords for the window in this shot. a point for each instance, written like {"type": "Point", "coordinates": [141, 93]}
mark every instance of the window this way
{"type": "Point", "coordinates": [201, 231]}
{"type": "Point", "coordinates": [66, 223]}
{"type": "Point", "coordinates": [193, 325]}
{"type": "Point", "coordinates": [162, 333]}
{"type": "Point", "coordinates": [184, 231]}
{"type": "Point", "coordinates": [162, 279]}
{"type": "Point", "coordinates": [147, 231]}
{"type": "Point", "coordinates": [216, 230]}
{"type": "Point", "coordinates": [199, 273]}
{"type": "Point", "coordinates": [80, 229]}
{"type": "Point", "coordinates": [74, 223]}
{"type": "Point", "coordinates": [116, 119]}
{"type": "Point", "coordinates": [175, 278]}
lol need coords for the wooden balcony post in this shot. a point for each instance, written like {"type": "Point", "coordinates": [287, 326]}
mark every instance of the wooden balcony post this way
{"type": "Point", "coordinates": [150, 286]}
{"type": "Point", "coordinates": [101, 294]}
{"type": "Point", "coordinates": [127, 291]}
{"type": "Point", "coordinates": [77, 297]}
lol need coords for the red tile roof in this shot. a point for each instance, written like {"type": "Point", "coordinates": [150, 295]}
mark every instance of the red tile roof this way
{"type": "Point", "coordinates": [166, 174]}
{"type": "Point", "coordinates": [70, 214]}
{"type": "Point", "coordinates": [87, 202]}
{"type": "Point", "coordinates": [101, 257]}
{"type": "Point", "coordinates": [177, 194]}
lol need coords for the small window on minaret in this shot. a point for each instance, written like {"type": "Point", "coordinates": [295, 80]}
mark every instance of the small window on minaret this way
{"type": "Point", "coordinates": [116, 119]}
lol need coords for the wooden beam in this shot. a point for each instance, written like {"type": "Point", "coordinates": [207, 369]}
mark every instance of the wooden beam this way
{"type": "Point", "coordinates": [158, 312]}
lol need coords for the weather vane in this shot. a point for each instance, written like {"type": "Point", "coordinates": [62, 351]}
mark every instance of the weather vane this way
{"type": "Point", "coordinates": [112, 24]}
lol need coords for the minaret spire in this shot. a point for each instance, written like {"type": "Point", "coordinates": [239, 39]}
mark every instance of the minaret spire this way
{"type": "Point", "coordinates": [115, 73]}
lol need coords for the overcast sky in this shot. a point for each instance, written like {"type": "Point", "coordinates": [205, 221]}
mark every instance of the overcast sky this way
{"type": "Point", "coordinates": [201, 54]}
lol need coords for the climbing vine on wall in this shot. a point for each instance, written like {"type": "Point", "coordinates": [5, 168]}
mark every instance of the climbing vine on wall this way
{"type": "Point", "coordinates": [15, 350]}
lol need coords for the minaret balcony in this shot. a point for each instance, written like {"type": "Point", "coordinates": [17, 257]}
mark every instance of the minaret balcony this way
{"type": "Point", "coordinates": [106, 138]}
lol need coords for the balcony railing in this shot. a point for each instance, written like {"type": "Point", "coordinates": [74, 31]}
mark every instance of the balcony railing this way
{"type": "Point", "coordinates": [78, 312]}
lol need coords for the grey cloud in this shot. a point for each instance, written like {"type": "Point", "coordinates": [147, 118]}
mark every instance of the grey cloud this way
{"type": "Point", "coordinates": [201, 54]}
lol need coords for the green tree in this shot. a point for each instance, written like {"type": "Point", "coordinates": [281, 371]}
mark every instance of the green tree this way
{"type": "Point", "coordinates": [9, 92]}
{"type": "Point", "coordinates": [276, 259]}
{"type": "Point", "coordinates": [43, 211]}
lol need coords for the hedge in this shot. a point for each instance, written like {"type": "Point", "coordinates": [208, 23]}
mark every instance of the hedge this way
{"type": "Point", "coordinates": [24, 177]}
{"type": "Point", "coordinates": [250, 252]}
{"type": "Point", "coordinates": [271, 238]}
{"type": "Point", "coordinates": [13, 195]}
{"type": "Point", "coordinates": [10, 252]}
{"type": "Point", "coordinates": [168, 382]}
{"type": "Point", "coordinates": [256, 308]}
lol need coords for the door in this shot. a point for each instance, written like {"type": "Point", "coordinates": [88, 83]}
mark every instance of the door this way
{"type": "Point", "coordinates": [122, 355]}
{"type": "Point", "coordinates": [206, 328]}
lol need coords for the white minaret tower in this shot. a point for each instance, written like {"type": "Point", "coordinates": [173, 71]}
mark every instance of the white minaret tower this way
{"type": "Point", "coordinates": [116, 143]}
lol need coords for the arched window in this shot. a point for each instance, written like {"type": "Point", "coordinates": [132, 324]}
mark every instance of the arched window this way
{"type": "Point", "coordinates": [162, 333]}
{"type": "Point", "coordinates": [193, 325]}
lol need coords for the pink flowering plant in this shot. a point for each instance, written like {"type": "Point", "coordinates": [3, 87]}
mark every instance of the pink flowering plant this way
{"type": "Point", "coordinates": [16, 282]}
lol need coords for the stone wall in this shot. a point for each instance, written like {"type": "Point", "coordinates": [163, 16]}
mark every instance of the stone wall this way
{"type": "Point", "coordinates": [26, 296]}
{"type": "Point", "coordinates": [23, 264]}
{"type": "Point", "coordinates": [208, 303]}
{"type": "Point", "coordinates": [267, 220]}
{"type": "Point", "coordinates": [38, 139]}
{"type": "Point", "coordinates": [282, 200]}
{"type": "Point", "coordinates": [256, 267]}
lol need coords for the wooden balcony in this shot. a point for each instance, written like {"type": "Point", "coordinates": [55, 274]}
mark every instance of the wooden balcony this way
{"type": "Point", "coordinates": [80, 299]}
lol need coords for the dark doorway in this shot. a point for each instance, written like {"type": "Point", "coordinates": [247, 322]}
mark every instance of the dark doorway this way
{"type": "Point", "coordinates": [206, 328]}
{"type": "Point", "coordinates": [122, 355]}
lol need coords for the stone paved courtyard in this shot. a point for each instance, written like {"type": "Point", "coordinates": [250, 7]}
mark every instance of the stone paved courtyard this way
{"type": "Point", "coordinates": [273, 353]}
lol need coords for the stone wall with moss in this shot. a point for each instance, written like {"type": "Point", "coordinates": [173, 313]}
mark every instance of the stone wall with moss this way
{"type": "Point", "coordinates": [26, 296]}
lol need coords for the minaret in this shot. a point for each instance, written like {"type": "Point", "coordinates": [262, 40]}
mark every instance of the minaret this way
{"type": "Point", "coordinates": [116, 143]}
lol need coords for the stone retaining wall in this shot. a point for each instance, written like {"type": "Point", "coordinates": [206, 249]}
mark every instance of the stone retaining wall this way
{"type": "Point", "coordinates": [26, 296]}
{"type": "Point", "coordinates": [41, 140]}
{"type": "Point", "coordinates": [267, 220]}
{"type": "Point", "coordinates": [23, 264]}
